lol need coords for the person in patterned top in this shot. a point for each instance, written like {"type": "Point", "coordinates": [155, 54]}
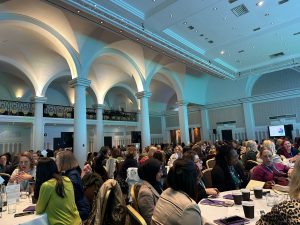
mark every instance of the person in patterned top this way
{"type": "Point", "coordinates": [287, 212]}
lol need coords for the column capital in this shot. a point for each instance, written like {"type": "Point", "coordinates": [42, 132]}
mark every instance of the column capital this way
{"type": "Point", "coordinates": [99, 106]}
{"type": "Point", "coordinates": [182, 103]}
{"type": "Point", "coordinates": [143, 94]}
{"type": "Point", "coordinates": [39, 99]}
{"type": "Point", "coordinates": [79, 81]}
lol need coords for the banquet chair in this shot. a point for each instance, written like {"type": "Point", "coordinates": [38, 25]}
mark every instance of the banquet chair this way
{"type": "Point", "coordinates": [210, 163]}
{"type": "Point", "coordinates": [107, 195]}
{"type": "Point", "coordinates": [5, 176]}
{"type": "Point", "coordinates": [134, 192]}
{"type": "Point", "coordinates": [207, 177]}
{"type": "Point", "coordinates": [134, 217]}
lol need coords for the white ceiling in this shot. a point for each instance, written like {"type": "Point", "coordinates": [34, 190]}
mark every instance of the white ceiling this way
{"type": "Point", "coordinates": [213, 28]}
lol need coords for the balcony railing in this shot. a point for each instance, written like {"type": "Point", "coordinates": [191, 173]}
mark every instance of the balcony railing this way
{"type": "Point", "coordinates": [58, 111]}
{"type": "Point", "coordinates": [119, 115]}
{"type": "Point", "coordinates": [16, 108]}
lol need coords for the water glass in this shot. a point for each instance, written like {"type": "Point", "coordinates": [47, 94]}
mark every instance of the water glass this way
{"type": "Point", "coordinates": [271, 200]}
{"type": "Point", "coordinates": [12, 208]}
{"type": "Point", "coordinates": [3, 198]}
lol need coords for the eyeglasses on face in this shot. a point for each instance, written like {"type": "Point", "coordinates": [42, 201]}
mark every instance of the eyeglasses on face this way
{"type": "Point", "coordinates": [24, 162]}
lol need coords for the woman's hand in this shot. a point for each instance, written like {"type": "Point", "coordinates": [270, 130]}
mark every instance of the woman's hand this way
{"type": "Point", "coordinates": [269, 184]}
{"type": "Point", "coordinates": [211, 191]}
{"type": "Point", "coordinates": [22, 176]}
{"type": "Point", "coordinates": [290, 172]}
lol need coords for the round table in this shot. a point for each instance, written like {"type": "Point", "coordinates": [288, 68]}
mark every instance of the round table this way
{"type": "Point", "coordinates": [31, 219]}
{"type": "Point", "coordinates": [210, 213]}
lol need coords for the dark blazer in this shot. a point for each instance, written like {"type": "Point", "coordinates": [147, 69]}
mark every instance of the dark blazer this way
{"type": "Point", "coordinates": [222, 179]}
{"type": "Point", "coordinates": [82, 203]}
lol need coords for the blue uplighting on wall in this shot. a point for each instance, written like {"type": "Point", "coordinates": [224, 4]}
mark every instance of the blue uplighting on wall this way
{"type": "Point", "coordinates": [129, 8]}
{"type": "Point", "coordinates": [183, 41]}
{"type": "Point", "coordinates": [225, 64]}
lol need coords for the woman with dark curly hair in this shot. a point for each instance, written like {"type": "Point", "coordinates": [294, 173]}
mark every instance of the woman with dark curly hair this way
{"type": "Point", "coordinates": [228, 173]}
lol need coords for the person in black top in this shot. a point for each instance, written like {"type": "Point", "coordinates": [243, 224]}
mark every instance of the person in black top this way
{"type": "Point", "coordinates": [228, 173]}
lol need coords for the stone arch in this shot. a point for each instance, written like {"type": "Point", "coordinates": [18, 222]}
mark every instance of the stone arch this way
{"type": "Point", "coordinates": [171, 76]}
{"type": "Point", "coordinates": [138, 76]}
{"type": "Point", "coordinates": [67, 51]}
{"type": "Point", "coordinates": [20, 67]}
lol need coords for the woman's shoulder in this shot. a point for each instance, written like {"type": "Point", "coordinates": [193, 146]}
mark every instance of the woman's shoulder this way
{"type": "Point", "coordinates": [179, 198]}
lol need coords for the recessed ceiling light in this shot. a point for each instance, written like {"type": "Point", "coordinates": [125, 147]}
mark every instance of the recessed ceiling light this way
{"type": "Point", "coordinates": [222, 52]}
{"type": "Point", "coordinates": [101, 21]}
{"type": "Point", "coordinates": [215, 8]}
{"type": "Point", "coordinates": [185, 23]}
{"type": "Point", "coordinates": [196, 31]}
{"type": "Point", "coordinates": [260, 3]}
{"type": "Point", "coordinates": [137, 39]}
{"type": "Point", "coordinates": [78, 11]}
{"type": "Point", "coordinates": [171, 15]}
{"type": "Point", "coordinates": [121, 31]}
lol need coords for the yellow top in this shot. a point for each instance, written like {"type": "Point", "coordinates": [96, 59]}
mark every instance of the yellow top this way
{"type": "Point", "coordinates": [60, 211]}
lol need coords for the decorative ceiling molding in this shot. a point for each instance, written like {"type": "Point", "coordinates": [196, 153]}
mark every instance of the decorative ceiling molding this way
{"type": "Point", "coordinates": [138, 30]}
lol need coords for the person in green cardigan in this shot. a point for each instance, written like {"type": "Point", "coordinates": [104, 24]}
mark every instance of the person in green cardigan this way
{"type": "Point", "coordinates": [55, 194]}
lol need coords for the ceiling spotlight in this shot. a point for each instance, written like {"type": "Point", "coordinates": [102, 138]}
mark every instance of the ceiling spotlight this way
{"type": "Point", "coordinates": [78, 11]}
{"type": "Point", "coordinates": [260, 3]}
{"type": "Point", "coordinates": [185, 23]}
{"type": "Point", "coordinates": [215, 8]}
{"type": "Point", "coordinates": [222, 52]}
{"type": "Point", "coordinates": [101, 21]}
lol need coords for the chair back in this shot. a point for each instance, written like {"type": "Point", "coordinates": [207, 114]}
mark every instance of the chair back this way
{"type": "Point", "coordinates": [207, 177]}
{"type": "Point", "coordinates": [107, 195]}
{"type": "Point", "coordinates": [250, 164]}
{"type": "Point", "coordinates": [210, 163]}
{"type": "Point", "coordinates": [134, 192]}
{"type": "Point", "coordinates": [134, 217]}
{"type": "Point", "coordinates": [5, 175]}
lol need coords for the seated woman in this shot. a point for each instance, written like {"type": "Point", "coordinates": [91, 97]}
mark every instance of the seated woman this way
{"type": "Point", "coordinates": [271, 145]}
{"type": "Point", "coordinates": [202, 192]}
{"type": "Point", "coordinates": [25, 172]}
{"type": "Point", "coordinates": [251, 152]}
{"type": "Point", "coordinates": [228, 173]}
{"type": "Point", "coordinates": [270, 172]}
{"type": "Point", "coordinates": [55, 194]}
{"type": "Point", "coordinates": [68, 166]}
{"type": "Point", "coordinates": [150, 172]}
{"type": "Point", "coordinates": [287, 212]}
{"type": "Point", "coordinates": [176, 205]}
{"type": "Point", "coordinates": [288, 151]}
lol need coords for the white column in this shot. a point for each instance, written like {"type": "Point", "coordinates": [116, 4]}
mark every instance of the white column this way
{"type": "Point", "coordinates": [144, 117]}
{"type": "Point", "coordinates": [204, 124]}
{"type": "Point", "coordinates": [249, 120]}
{"type": "Point", "coordinates": [80, 128]}
{"type": "Point", "coordinates": [38, 124]}
{"type": "Point", "coordinates": [164, 131]}
{"type": "Point", "coordinates": [99, 127]}
{"type": "Point", "coordinates": [183, 122]}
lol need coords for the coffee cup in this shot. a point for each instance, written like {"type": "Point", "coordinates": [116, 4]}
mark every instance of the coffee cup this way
{"type": "Point", "coordinates": [248, 208]}
{"type": "Point", "coordinates": [237, 197]}
{"type": "Point", "coordinates": [246, 194]}
{"type": "Point", "coordinates": [258, 192]}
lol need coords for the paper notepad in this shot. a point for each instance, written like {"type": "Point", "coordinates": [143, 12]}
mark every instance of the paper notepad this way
{"type": "Point", "coordinates": [254, 183]}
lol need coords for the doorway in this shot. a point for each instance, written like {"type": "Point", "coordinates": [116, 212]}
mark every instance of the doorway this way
{"type": "Point", "coordinates": [227, 135]}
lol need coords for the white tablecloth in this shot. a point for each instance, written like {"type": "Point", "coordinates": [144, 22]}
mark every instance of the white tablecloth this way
{"type": "Point", "coordinates": [32, 219]}
{"type": "Point", "coordinates": [211, 213]}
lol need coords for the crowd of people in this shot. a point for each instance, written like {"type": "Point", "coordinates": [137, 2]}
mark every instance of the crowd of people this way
{"type": "Point", "coordinates": [170, 178]}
